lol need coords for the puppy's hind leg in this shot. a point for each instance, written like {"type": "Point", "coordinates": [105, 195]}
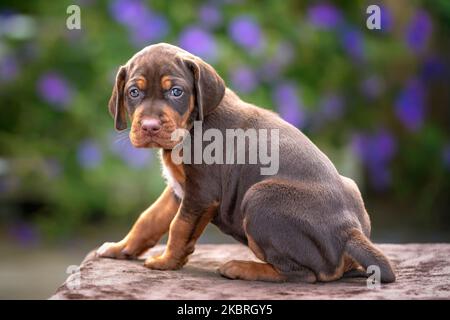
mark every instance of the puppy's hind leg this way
{"type": "Point", "coordinates": [250, 270]}
{"type": "Point", "coordinates": [262, 271]}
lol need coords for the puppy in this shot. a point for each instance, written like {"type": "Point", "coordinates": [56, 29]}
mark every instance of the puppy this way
{"type": "Point", "coordinates": [306, 222]}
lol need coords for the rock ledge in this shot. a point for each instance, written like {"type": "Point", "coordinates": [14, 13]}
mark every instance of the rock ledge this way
{"type": "Point", "coordinates": [423, 272]}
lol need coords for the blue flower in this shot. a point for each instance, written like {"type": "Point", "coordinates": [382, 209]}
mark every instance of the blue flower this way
{"type": "Point", "coordinates": [386, 19]}
{"type": "Point", "coordinates": [144, 25]}
{"type": "Point", "coordinates": [332, 106]}
{"type": "Point", "coordinates": [324, 16]}
{"type": "Point", "coordinates": [380, 176]}
{"type": "Point", "coordinates": [153, 29]}
{"type": "Point", "coordinates": [55, 90]}
{"type": "Point", "coordinates": [353, 43]}
{"type": "Point", "coordinates": [199, 42]}
{"type": "Point", "coordinates": [289, 104]}
{"type": "Point", "coordinates": [419, 31]}
{"type": "Point", "coordinates": [210, 15]}
{"type": "Point", "coordinates": [410, 105]}
{"type": "Point", "coordinates": [245, 31]}
{"type": "Point", "coordinates": [243, 79]}
{"type": "Point", "coordinates": [89, 154]}
{"type": "Point", "coordinates": [434, 69]}
{"type": "Point", "coordinates": [376, 151]}
{"type": "Point", "coordinates": [129, 12]}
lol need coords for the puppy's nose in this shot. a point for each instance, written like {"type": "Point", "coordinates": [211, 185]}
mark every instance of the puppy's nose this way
{"type": "Point", "coordinates": [151, 126]}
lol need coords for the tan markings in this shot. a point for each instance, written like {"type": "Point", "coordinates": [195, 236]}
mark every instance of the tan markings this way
{"type": "Point", "coordinates": [186, 115]}
{"type": "Point", "coordinates": [255, 249]}
{"type": "Point", "coordinates": [205, 219]}
{"type": "Point", "coordinates": [154, 222]}
{"type": "Point", "coordinates": [183, 235]}
{"type": "Point", "coordinates": [141, 83]}
{"type": "Point", "coordinates": [166, 83]}
{"type": "Point", "coordinates": [170, 117]}
{"type": "Point", "coordinates": [337, 274]}
{"type": "Point", "coordinates": [252, 244]}
{"type": "Point", "coordinates": [250, 270]}
{"type": "Point", "coordinates": [151, 225]}
{"type": "Point", "coordinates": [350, 263]}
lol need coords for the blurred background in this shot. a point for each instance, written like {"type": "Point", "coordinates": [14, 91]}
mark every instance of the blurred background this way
{"type": "Point", "coordinates": [376, 101]}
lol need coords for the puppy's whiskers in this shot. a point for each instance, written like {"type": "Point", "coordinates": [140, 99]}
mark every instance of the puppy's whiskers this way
{"type": "Point", "coordinates": [122, 137]}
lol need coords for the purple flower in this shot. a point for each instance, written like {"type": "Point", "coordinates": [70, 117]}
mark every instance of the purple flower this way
{"type": "Point", "coordinates": [383, 146]}
{"type": "Point", "coordinates": [376, 152]}
{"type": "Point", "coordinates": [289, 104]}
{"type": "Point", "coordinates": [332, 106]}
{"type": "Point", "coordinates": [419, 31]}
{"type": "Point", "coordinates": [434, 69]}
{"type": "Point", "coordinates": [210, 15]}
{"type": "Point", "coordinates": [199, 42]}
{"type": "Point", "coordinates": [9, 68]}
{"type": "Point", "coordinates": [410, 105]}
{"type": "Point", "coordinates": [24, 233]}
{"type": "Point", "coordinates": [154, 28]}
{"type": "Point", "coordinates": [324, 16]}
{"type": "Point", "coordinates": [55, 90]}
{"type": "Point", "coordinates": [144, 25]}
{"type": "Point", "coordinates": [89, 154]}
{"type": "Point", "coordinates": [245, 31]}
{"type": "Point", "coordinates": [353, 43]}
{"type": "Point", "coordinates": [372, 87]}
{"type": "Point", "coordinates": [373, 149]}
{"type": "Point", "coordinates": [244, 80]}
{"type": "Point", "coordinates": [129, 12]}
{"type": "Point", "coordinates": [386, 19]}
{"type": "Point", "coordinates": [380, 176]}
{"type": "Point", "coordinates": [133, 157]}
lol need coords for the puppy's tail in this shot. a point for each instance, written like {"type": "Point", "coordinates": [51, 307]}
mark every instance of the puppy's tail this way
{"type": "Point", "coordinates": [361, 249]}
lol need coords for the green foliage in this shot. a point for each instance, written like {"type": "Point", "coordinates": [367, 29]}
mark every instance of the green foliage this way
{"type": "Point", "coordinates": [375, 100]}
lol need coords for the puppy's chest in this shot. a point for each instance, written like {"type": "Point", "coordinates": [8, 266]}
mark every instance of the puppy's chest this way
{"type": "Point", "coordinates": [173, 174]}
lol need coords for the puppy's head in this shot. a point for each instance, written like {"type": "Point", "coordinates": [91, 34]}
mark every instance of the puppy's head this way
{"type": "Point", "coordinates": [163, 88]}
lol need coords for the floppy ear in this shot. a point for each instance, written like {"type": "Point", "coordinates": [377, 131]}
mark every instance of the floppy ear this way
{"type": "Point", "coordinates": [116, 107]}
{"type": "Point", "coordinates": [209, 86]}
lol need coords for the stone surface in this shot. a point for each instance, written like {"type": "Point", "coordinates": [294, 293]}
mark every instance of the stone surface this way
{"type": "Point", "coordinates": [423, 272]}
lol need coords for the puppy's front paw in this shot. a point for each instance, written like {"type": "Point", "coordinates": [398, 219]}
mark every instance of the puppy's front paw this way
{"type": "Point", "coordinates": [113, 250]}
{"type": "Point", "coordinates": [163, 262]}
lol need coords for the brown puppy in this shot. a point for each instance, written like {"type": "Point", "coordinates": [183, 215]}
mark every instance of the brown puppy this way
{"type": "Point", "coordinates": [305, 222]}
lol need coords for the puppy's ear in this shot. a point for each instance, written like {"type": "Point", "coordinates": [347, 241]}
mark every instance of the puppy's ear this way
{"type": "Point", "coordinates": [116, 107]}
{"type": "Point", "coordinates": [209, 86]}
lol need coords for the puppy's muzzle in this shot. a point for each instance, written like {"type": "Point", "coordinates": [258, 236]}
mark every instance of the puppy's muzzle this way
{"type": "Point", "coordinates": [151, 126]}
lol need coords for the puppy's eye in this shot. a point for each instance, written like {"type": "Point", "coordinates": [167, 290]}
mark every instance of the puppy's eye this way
{"type": "Point", "coordinates": [176, 91]}
{"type": "Point", "coordinates": [133, 92]}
